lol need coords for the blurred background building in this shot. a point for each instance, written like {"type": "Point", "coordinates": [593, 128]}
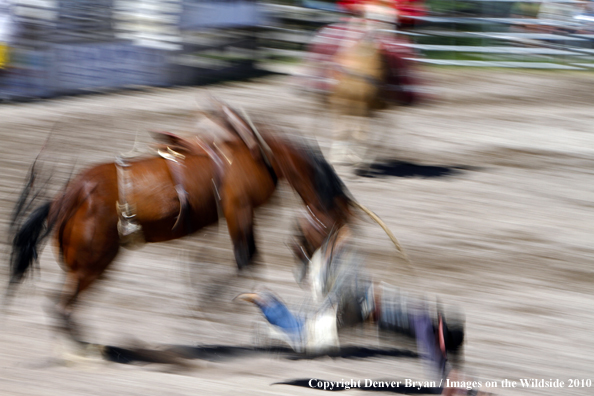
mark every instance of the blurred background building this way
{"type": "Point", "coordinates": [54, 47]}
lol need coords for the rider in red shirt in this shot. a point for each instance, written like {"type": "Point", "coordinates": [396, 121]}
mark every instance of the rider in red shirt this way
{"type": "Point", "coordinates": [398, 12]}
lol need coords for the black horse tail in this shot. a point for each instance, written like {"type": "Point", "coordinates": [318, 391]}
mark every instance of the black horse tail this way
{"type": "Point", "coordinates": [26, 242]}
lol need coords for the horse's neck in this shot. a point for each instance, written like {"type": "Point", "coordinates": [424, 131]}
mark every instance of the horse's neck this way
{"type": "Point", "coordinates": [305, 172]}
{"type": "Point", "coordinates": [292, 160]}
{"type": "Point", "coordinates": [282, 155]}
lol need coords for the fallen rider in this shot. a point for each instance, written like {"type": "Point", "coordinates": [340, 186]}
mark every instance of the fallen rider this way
{"type": "Point", "coordinates": [344, 295]}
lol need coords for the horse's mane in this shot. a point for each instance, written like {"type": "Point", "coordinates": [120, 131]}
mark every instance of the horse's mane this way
{"type": "Point", "coordinates": [327, 183]}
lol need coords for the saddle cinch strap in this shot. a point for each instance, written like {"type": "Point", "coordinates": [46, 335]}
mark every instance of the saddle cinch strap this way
{"type": "Point", "coordinates": [129, 230]}
{"type": "Point", "coordinates": [177, 168]}
{"type": "Point", "coordinates": [219, 168]}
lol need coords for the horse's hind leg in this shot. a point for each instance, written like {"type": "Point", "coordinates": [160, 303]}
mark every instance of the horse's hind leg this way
{"type": "Point", "coordinates": [72, 288]}
{"type": "Point", "coordinates": [87, 250]}
{"type": "Point", "coordinates": [75, 283]}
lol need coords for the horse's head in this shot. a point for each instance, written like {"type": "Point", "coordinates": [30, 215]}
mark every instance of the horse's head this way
{"type": "Point", "coordinates": [328, 203]}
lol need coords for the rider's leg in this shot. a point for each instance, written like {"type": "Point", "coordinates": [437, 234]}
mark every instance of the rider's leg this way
{"type": "Point", "coordinates": [396, 312]}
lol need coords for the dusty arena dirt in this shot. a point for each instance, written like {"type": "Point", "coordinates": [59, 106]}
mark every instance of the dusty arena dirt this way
{"type": "Point", "coordinates": [489, 189]}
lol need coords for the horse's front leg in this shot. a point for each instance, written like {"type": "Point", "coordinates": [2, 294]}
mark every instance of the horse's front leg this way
{"type": "Point", "coordinates": [359, 149]}
{"type": "Point", "coordinates": [240, 221]}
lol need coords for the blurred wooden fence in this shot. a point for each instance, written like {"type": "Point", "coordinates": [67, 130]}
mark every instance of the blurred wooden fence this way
{"type": "Point", "coordinates": [479, 39]}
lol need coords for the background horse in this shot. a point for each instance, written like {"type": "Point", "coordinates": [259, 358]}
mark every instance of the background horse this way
{"type": "Point", "coordinates": [84, 216]}
{"type": "Point", "coordinates": [359, 72]}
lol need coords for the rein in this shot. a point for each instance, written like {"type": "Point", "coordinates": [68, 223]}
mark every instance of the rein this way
{"type": "Point", "coordinates": [390, 235]}
{"type": "Point", "coordinates": [316, 222]}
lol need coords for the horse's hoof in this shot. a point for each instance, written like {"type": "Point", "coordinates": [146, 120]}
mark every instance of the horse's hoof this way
{"type": "Point", "coordinates": [75, 353]}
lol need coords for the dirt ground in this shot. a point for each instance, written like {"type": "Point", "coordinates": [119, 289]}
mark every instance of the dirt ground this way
{"type": "Point", "coordinates": [492, 199]}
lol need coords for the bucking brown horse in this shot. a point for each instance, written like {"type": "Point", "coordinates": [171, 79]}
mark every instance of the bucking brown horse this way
{"type": "Point", "coordinates": [172, 200]}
